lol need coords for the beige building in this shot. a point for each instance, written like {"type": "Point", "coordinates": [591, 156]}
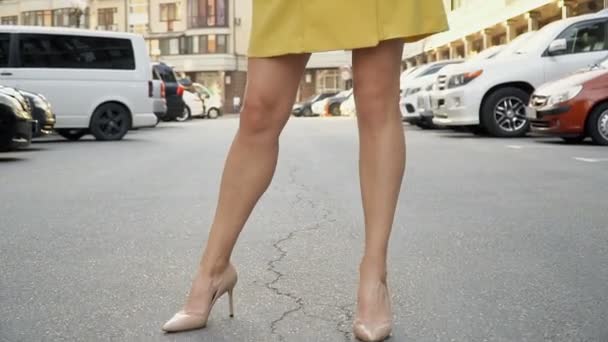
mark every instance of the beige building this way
{"type": "Point", "coordinates": [478, 24]}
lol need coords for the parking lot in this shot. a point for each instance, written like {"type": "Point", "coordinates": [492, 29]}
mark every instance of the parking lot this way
{"type": "Point", "coordinates": [494, 239]}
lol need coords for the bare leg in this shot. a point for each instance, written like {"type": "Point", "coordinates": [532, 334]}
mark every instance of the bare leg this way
{"type": "Point", "coordinates": [382, 165]}
{"type": "Point", "coordinates": [272, 85]}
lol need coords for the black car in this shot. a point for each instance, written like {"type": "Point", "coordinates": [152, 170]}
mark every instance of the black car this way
{"type": "Point", "coordinates": [174, 91]}
{"type": "Point", "coordinates": [304, 108]}
{"type": "Point", "coordinates": [16, 123]}
{"type": "Point", "coordinates": [41, 112]}
{"type": "Point", "coordinates": [333, 104]}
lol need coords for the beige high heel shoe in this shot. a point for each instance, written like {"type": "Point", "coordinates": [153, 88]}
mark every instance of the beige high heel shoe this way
{"type": "Point", "coordinates": [183, 321]}
{"type": "Point", "coordinates": [374, 331]}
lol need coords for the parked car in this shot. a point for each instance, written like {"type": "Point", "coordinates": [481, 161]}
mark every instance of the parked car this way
{"type": "Point", "coordinates": [41, 112]}
{"type": "Point", "coordinates": [16, 122]}
{"type": "Point", "coordinates": [213, 101]}
{"type": "Point", "coordinates": [423, 80]}
{"type": "Point", "coordinates": [422, 100]}
{"type": "Point", "coordinates": [348, 107]}
{"type": "Point", "coordinates": [332, 107]}
{"type": "Point", "coordinates": [573, 108]}
{"type": "Point", "coordinates": [97, 81]}
{"type": "Point", "coordinates": [158, 95]}
{"type": "Point", "coordinates": [174, 91]}
{"type": "Point", "coordinates": [304, 108]}
{"type": "Point", "coordinates": [194, 106]}
{"type": "Point", "coordinates": [493, 94]}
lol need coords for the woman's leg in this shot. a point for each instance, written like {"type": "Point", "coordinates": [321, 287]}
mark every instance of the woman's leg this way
{"type": "Point", "coordinates": [381, 164]}
{"type": "Point", "coordinates": [272, 85]}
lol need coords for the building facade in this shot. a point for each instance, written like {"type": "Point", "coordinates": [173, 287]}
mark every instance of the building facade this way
{"type": "Point", "coordinates": [478, 24]}
{"type": "Point", "coordinates": [205, 40]}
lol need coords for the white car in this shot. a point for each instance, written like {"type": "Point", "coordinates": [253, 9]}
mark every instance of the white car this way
{"type": "Point", "coordinates": [318, 108]}
{"type": "Point", "coordinates": [493, 94]}
{"type": "Point", "coordinates": [348, 107]}
{"type": "Point", "coordinates": [421, 101]}
{"type": "Point", "coordinates": [423, 80]}
{"type": "Point", "coordinates": [194, 107]}
{"type": "Point", "coordinates": [98, 82]}
{"type": "Point", "coordinates": [212, 101]}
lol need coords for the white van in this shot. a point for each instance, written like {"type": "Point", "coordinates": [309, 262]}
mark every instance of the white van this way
{"type": "Point", "coordinates": [493, 94]}
{"type": "Point", "coordinates": [97, 82]}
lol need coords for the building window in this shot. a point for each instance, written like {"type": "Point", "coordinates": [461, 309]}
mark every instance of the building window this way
{"type": "Point", "coordinates": [169, 46]}
{"type": "Point", "coordinates": [105, 19]}
{"type": "Point", "coordinates": [169, 15]}
{"type": "Point", "coordinates": [63, 17]}
{"type": "Point", "coordinates": [213, 43]}
{"type": "Point", "coordinates": [10, 20]}
{"type": "Point", "coordinates": [329, 81]}
{"type": "Point", "coordinates": [207, 13]}
{"type": "Point", "coordinates": [36, 18]}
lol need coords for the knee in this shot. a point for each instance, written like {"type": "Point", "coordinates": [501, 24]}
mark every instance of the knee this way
{"type": "Point", "coordinates": [376, 105]}
{"type": "Point", "coordinates": [259, 117]}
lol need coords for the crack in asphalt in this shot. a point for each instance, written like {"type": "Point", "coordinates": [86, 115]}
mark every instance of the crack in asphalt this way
{"type": "Point", "coordinates": [272, 285]}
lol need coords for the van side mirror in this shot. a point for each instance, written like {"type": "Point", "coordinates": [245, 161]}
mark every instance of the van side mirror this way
{"type": "Point", "coordinates": [557, 46]}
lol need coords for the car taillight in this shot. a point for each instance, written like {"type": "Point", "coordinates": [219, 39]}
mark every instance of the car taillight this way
{"type": "Point", "coordinates": [162, 90]}
{"type": "Point", "coordinates": [180, 90]}
{"type": "Point", "coordinates": [150, 89]}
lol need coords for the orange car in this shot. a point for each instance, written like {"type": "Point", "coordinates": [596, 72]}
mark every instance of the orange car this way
{"type": "Point", "coordinates": [573, 108]}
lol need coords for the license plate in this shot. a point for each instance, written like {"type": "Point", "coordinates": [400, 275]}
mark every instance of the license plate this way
{"type": "Point", "coordinates": [531, 113]}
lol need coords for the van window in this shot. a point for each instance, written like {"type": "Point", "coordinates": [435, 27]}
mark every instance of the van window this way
{"type": "Point", "coordinates": [5, 40]}
{"type": "Point", "coordinates": [587, 37]}
{"type": "Point", "coordinates": [77, 52]}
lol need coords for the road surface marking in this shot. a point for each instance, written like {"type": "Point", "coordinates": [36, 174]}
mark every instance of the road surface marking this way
{"type": "Point", "coordinates": [591, 160]}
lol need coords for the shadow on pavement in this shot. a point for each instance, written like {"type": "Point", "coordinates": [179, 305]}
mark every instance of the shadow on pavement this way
{"type": "Point", "coordinates": [10, 159]}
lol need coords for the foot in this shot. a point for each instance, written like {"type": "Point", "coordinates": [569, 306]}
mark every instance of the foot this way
{"type": "Point", "coordinates": [374, 318]}
{"type": "Point", "coordinates": [206, 289]}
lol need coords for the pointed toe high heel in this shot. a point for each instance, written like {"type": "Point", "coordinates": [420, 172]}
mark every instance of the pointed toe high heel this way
{"type": "Point", "coordinates": [369, 332]}
{"type": "Point", "coordinates": [188, 320]}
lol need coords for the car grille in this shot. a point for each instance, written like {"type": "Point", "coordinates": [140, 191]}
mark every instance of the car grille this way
{"type": "Point", "coordinates": [442, 82]}
{"type": "Point", "coordinates": [538, 101]}
{"type": "Point", "coordinates": [540, 124]}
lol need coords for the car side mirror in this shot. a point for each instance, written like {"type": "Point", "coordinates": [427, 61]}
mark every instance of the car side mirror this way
{"type": "Point", "coordinates": [557, 46]}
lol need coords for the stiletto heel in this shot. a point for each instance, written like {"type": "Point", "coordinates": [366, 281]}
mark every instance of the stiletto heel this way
{"type": "Point", "coordinates": [231, 303]}
{"type": "Point", "coordinates": [184, 320]}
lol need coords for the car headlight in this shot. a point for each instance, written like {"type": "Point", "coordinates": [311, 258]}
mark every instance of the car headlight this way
{"type": "Point", "coordinates": [565, 95]}
{"type": "Point", "coordinates": [415, 91]}
{"type": "Point", "coordinates": [463, 79]}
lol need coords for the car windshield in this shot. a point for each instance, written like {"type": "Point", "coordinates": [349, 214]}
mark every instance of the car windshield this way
{"type": "Point", "coordinates": [166, 74]}
{"type": "Point", "coordinates": [532, 42]}
{"type": "Point", "coordinates": [487, 53]}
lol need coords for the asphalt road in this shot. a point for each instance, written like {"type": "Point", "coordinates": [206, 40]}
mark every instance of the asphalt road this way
{"type": "Point", "coordinates": [495, 240]}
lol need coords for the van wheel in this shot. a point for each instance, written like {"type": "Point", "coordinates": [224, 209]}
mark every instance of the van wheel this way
{"type": "Point", "coordinates": [72, 134]}
{"type": "Point", "coordinates": [597, 125]}
{"type": "Point", "coordinates": [335, 110]}
{"type": "Point", "coordinates": [110, 121]}
{"type": "Point", "coordinates": [213, 113]}
{"type": "Point", "coordinates": [185, 115]}
{"type": "Point", "coordinates": [503, 113]}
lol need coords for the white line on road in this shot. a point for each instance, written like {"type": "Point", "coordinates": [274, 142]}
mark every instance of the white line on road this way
{"type": "Point", "coordinates": [515, 147]}
{"type": "Point", "coordinates": [591, 160]}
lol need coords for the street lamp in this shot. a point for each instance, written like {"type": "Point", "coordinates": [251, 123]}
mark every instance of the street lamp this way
{"type": "Point", "coordinates": [78, 8]}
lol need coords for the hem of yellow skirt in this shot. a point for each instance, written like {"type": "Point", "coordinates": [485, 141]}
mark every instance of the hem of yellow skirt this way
{"type": "Point", "coordinates": [406, 38]}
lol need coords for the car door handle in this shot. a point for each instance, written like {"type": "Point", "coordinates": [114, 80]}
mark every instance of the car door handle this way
{"type": "Point", "coordinates": [6, 74]}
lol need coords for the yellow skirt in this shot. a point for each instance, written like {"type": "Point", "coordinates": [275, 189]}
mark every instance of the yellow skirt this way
{"type": "Point", "coordinates": [283, 27]}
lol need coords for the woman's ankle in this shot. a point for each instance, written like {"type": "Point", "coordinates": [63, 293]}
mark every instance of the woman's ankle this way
{"type": "Point", "coordinates": [373, 268]}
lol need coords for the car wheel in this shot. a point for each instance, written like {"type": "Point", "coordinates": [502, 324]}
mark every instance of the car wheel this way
{"type": "Point", "coordinates": [185, 115]}
{"type": "Point", "coordinates": [307, 111]}
{"type": "Point", "coordinates": [213, 113]}
{"type": "Point", "coordinates": [503, 113]}
{"type": "Point", "coordinates": [335, 110]}
{"type": "Point", "coordinates": [72, 134]}
{"type": "Point", "coordinates": [574, 140]}
{"type": "Point", "coordinates": [597, 125]}
{"type": "Point", "coordinates": [110, 121]}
